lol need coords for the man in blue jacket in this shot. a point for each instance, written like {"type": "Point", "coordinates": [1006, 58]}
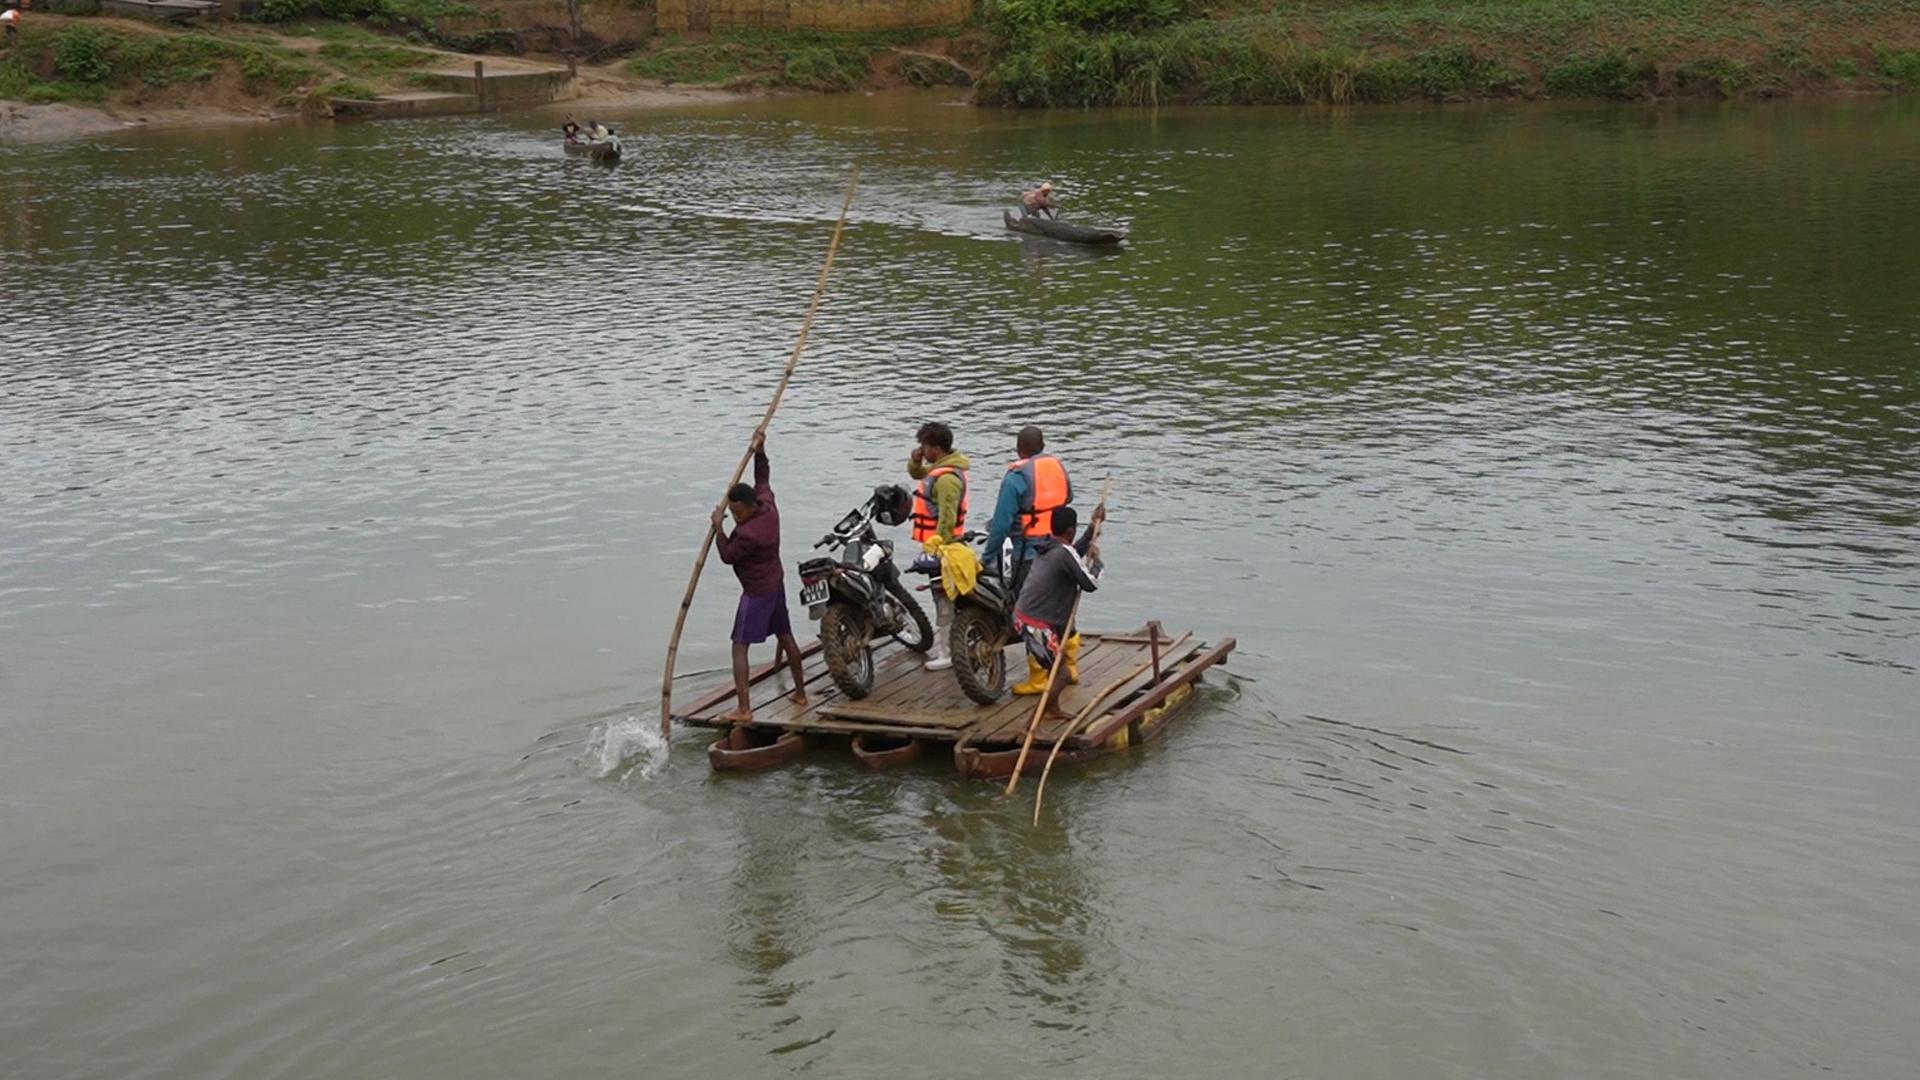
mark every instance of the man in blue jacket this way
{"type": "Point", "coordinates": [1036, 485]}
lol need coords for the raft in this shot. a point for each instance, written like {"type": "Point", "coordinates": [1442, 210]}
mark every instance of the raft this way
{"type": "Point", "coordinates": [1133, 683]}
{"type": "Point", "coordinates": [1061, 230]}
{"type": "Point", "coordinates": [607, 151]}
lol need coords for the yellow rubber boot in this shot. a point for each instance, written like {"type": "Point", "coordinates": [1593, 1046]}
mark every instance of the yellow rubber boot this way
{"type": "Point", "coordinates": [1036, 680]}
{"type": "Point", "coordinates": [1073, 659]}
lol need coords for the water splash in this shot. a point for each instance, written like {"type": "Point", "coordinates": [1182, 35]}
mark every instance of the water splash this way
{"type": "Point", "coordinates": [625, 750]}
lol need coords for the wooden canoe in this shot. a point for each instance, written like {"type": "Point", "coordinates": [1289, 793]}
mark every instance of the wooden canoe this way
{"type": "Point", "coordinates": [1061, 230]}
{"type": "Point", "coordinates": [607, 151]}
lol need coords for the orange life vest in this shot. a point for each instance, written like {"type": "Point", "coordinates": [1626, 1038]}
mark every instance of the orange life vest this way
{"type": "Point", "coordinates": [926, 512]}
{"type": "Point", "coordinates": [1048, 489]}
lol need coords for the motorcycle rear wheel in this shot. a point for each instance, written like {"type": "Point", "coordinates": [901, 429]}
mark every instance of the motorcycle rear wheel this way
{"type": "Point", "coordinates": [979, 645]}
{"type": "Point", "coordinates": [843, 641]}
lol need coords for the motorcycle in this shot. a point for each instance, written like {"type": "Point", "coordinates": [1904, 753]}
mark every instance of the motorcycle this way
{"type": "Point", "coordinates": [982, 626]}
{"type": "Point", "coordinates": [857, 595]}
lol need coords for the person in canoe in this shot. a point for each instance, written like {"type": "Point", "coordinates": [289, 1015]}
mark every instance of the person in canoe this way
{"type": "Point", "coordinates": [1062, 570]}
{"type": "Point", "coordinates": [754, 553]}
{"type": "Point", "coordinates": [1038, 201]}
{"type": "Point", "coordinates": [571, 130]}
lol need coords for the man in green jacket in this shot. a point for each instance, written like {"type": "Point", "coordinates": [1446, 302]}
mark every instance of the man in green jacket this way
{"type": "Point", "coordinates": [939, 516]}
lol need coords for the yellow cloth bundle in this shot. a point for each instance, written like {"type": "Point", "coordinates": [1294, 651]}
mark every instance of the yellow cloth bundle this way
{"type": "Point", "coordinates": [959, 566]}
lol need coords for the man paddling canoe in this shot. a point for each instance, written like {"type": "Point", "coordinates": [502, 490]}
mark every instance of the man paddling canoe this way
{"type": "Point", "coordinates": [1038, 201]}
{"type": "Point", "coordinates": [754, 553]}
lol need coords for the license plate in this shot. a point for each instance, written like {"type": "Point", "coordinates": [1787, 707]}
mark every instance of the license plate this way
{"type": "Point", "coordinates": [814, 592]}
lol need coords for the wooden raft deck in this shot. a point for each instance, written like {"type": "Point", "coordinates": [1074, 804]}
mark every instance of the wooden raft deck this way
{"type": "Point", "coordinates": [909, 704]}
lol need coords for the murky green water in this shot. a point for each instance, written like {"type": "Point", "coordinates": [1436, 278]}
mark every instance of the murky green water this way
{"type": "Point", "coordinates": [1555, 469]}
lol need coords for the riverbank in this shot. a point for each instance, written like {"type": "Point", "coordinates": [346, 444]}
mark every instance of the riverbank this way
{"type": "Point", "coordinates": [70, 77]}
{"type": "Point", "coordinates": [1344, 51]}
{"type": "Point", "coordinates": [1018, 53]}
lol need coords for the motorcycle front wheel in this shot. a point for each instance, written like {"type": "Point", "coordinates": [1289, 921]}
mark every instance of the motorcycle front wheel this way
{"type": "Point", "coordinates": [979, 644]}
{"type": "Point", "coordinates": [916, 633]}
{"type": "Point", "coordinates": [843, 641]}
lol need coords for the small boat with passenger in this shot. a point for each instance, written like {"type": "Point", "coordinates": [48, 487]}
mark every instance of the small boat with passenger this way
{"type": "Point", "coordinates": [1065, 231]}
{"type": "Point", "coordinates": [606, 151]}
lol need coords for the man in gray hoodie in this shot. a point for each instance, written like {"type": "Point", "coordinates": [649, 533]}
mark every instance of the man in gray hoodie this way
{"type": "Point", "coordinates": [1061, 571]}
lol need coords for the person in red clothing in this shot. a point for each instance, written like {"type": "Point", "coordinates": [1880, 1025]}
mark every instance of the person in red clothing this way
{"type": "Point", "coordinates": [754, 553]}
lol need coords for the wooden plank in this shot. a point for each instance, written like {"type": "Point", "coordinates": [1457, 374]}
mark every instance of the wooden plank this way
{"type": "Point", "coordinates": [1186, 674]}
{"type": "Point", "coordinates": [860, 710]}
{"type": "Point", "coordinates": [815, 723]}
{"type": "Point", "coordinates": [1094, 670]}
{"type": "Point", "coordinates": [1092, 679]}
{"type": "Point", "coordinates": [719, 693]}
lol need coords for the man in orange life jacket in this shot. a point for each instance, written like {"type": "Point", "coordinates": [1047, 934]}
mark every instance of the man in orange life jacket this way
{"type": "Point", "coordinates": [939, 513]}
{"type": "Point", "coordinates": [1035, 486]}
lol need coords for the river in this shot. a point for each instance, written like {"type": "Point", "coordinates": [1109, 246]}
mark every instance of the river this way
{"type": "Point", "coordinates": [1555, 468]}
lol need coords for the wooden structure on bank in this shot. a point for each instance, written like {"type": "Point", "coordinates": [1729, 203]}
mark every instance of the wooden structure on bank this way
{"type": "Point", "coordinates": [705, 16]}
{"type": "Point", "coordinates": [1131, 684]}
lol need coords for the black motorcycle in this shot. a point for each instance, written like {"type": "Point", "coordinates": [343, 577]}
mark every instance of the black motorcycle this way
{"type": "Point", "coordinates": [982, 627]}
{"type": "Point", "coordinates": [857, 594]}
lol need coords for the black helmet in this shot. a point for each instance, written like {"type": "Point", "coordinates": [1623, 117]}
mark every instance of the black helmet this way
{"type": "Point", "coordinates": [892, 504]}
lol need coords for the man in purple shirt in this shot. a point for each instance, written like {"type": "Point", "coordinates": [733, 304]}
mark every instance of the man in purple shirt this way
{"type": "Point", "coordinates": [754, 553]}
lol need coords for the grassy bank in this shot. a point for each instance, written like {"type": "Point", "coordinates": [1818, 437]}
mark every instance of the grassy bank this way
{"type": "Point", "coordinates": [94, 64]}
{"type": "Point", "coordinates": [802, 60]}
{"type": "Point", "coordinates": [1142, 52]}
{"type": "Point", "coordinates": [111, 62]}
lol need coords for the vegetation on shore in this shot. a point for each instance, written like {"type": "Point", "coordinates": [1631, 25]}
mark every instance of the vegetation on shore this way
{"type": "Point", "coordinates": [1144, 52]}
{"type": "Point", "coordinates": [805, 60]}
{"type": "Point", "coordinates": [80, 62]}
{"type": "Point", "coordinates": [114, 62]}
{"type": "Point", "coordinates": [1029, 53]}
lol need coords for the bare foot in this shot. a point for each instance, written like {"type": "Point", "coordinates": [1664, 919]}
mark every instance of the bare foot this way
{"type": "Point", "coordinates": [737, 716]}
{"type": "Point", "coordinates": [799, 697]}
{"type": "Point", "coordinates": [1055, 716]}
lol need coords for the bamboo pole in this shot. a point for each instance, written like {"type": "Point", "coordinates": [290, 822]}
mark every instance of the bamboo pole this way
{"type": "Point", "coordinates": [1060, 654]}
{"type": "Point", "coordinates": [700, 561]}
{"type": "Point", "coordinates": [1081, 718]}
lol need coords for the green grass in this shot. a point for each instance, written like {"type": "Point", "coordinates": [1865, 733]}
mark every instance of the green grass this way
{"type": "Point", "coordinates": [813, 61]}
{"type": "Point", "coordinates": [373, 61]}
{"type": "Point", "coordinates": [1230, 63]}
{"type": "Point", "coordinates": [88, 63]}
{"type": "Point", "coordinates": [348, 88]}
{"type": "Point", "coordinates": [1613, 74]}
{"type": "Point", "coordinates": [1900, 68]}
{"type": "Point", "coordinates": [331, 30]}
{"type": "Point", "coordinates": [1282, 51]}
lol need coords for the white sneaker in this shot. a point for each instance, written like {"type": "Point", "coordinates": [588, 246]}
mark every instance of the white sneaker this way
{"type": "Point", "coordinates": [939, 663]}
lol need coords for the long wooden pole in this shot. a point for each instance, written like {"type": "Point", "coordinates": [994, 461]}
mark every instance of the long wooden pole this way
{"type": "Point", "coordinates": [1053, 673]}
{"type": "Point", "coordinates": [1081, 718]}
{"type": "Point", "coordinates": [700, 561]}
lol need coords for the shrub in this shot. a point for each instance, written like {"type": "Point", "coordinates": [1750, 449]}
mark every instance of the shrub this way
{"type": "Point", "coordinates": [1608, 75]}
{"type": "Point", "coordinates": [1900, 67]}
{"type": "Point", "coordinates": [284, 10]}
{"type": "Point", "coordinates": [1028, 16]}
{"type": "Point", "coordinates": [1438, 75]}
{"type": "Point", "coordinates": [827, 68]}
{"type": "Point", "coordinates": [80, 54]}
{"type": "Point", "coordinates": [1725, 77]}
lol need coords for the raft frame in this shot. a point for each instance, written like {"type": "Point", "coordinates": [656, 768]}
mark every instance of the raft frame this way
{"type": "Point", "coordinates": [1146, 676]}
